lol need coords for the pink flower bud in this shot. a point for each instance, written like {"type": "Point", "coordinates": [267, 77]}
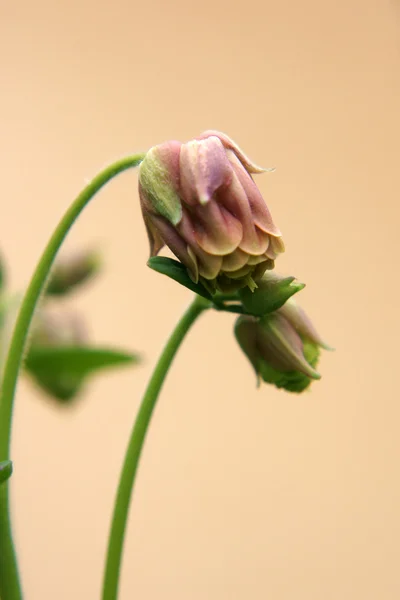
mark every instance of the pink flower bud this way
{"type": "Point", "coordinates": [200, 200]}
{"type": "Point", "coordinates": [283, 347]}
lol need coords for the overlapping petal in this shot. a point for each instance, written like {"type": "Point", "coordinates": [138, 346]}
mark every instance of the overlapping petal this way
{"type": "Point", "coordinates": [200, 200]}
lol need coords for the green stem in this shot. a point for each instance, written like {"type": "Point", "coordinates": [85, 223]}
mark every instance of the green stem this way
{"type": "Point", "coordinates": [135, 445]}
{"type": "Point", "coordinates": [10, 588]}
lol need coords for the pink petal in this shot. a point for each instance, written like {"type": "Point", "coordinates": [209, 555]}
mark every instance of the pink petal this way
{"type": "Point", "coordinates": [234, 198]}
{"type": "Point", "coordinates": [301, 322]}
{"type": "Point", "coordinates": [234, 261]}
{"type": "Point", "coordinates": [256, 260]}
{"type": "Point", "coordinates": [231, 145]}
{"type": "Point", "coordinates": [209, 264]}
{"type": "Point", "coordinates": [261, 215]}
{"type": "Point", "coordinates": [177, 244]}
{"type": "Point", "coordinates": [246, 270]}
{"type": "Point", "coordinates": [168, 154]}
{"type": "Point", "coordinates": [215, 229]}
{"type": "Point", "coordinates": [276, 247]}
{"type": "Point", "coordinates": [204, 168]}
{"type": "Point", "coordinates": [155, 240]}
{"type": "Point", "coordinates": [281, 346]}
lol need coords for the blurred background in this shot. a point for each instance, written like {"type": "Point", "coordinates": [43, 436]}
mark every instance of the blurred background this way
{"type": "Point", "coordinates": [242, 492]}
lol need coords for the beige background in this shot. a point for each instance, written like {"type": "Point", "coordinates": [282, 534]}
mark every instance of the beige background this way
{"type": "Point", "coordinates": [242, 493]}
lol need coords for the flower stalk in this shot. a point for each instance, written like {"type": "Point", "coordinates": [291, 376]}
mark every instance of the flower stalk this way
{"type": "Point", "coordinates": [135, 446]}
{"type": "Point", "coordinates": [10, 587]}
{"type": "Point", "coordinates": [200, 200]}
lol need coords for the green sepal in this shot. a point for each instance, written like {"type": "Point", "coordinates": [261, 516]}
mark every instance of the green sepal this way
{"type": "Point", "coordinates": [291, 381]}
{"type": "Point", "coordinates": [272, 293]}
{"type": "Point", "coordinates": [158, 188]}
{"type": "Point", "coordinates": [62, 371]}
{"type": "Point", "coordinates": [6, 469]}
{"type": "Point", "coordinates": [178, 272]}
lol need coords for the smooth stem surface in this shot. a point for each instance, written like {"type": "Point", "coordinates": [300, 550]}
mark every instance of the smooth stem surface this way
{"type": "Point", "coordinates": [9, 582]}
{"type": "Point", "coordinates": [135, 445]}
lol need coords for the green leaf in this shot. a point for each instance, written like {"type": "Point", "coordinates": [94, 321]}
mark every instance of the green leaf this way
{"type": "Point", "coordinates": [62, 371]}
{"type": "Point", "coordinates": [6, 469]}
{"type": "Point", "coordinates": [178, 272]}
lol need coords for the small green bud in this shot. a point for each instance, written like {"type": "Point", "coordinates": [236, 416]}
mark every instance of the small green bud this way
{"type": "Point", "coordinates": [272, 292]}
{"type": "Point", "coordinates": [72, 271]}
{"type": "Point", "coordinates": [282, 346]}
{"type": "Point", "coordinates": [291, 381]}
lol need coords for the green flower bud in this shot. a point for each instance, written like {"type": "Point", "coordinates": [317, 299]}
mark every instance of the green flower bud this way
{"type": "Point", "coordinates": [72, 271]}
{"type": "Point", "coordinates": [272, 292]}
{"type": "Point", "coordinates": [283, 347]}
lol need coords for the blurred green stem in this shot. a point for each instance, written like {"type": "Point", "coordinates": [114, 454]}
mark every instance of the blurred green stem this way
{"type": "Point", "coordinates": [10, 588]}
{"type": "Point", "coordinates": [135, 445]}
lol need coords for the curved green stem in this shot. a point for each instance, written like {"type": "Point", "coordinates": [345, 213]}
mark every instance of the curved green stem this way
{"type": "Point", "coordinates": [9, 581]}
{"type": "Point", "coordinates": [135, 445]}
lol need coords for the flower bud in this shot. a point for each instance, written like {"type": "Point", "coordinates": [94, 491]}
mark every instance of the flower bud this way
{"type": "Point", "coordinates": [272, 292]}
{"type": "Point", "coordinates": [71, 271]}
{"type": "Point", "coordinates": [200, 200]}
{"type": "Point", "coordinates": [302, 323]}
{"type": "Point", "coordinates": [51, 328]}
{"type": "Point", "coordinates": [283, 347]}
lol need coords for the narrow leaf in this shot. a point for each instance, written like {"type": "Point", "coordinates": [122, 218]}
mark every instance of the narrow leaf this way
{"type": "Point", "coordinates": [176, 271]}
{"type": "Point", "coordinates": [61, 371]}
